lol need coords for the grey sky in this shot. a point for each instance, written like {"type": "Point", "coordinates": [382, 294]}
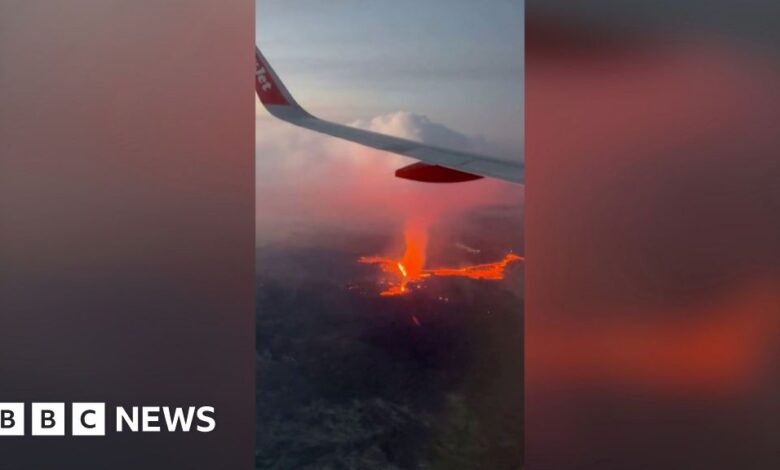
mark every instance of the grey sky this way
{"type": "Point", "coordinates": [459, 62]}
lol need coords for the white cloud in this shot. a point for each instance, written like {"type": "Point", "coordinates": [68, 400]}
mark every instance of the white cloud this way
{"type": "Point", "coordinates": [318, 177]}
{"type": "Point", "coordinates": [416, 127]}
{"type": "Point", "coordinates": [284, 146]}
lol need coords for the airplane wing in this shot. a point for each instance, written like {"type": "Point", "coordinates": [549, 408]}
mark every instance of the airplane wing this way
{"type": "Point", "coordinates": [436, 164]}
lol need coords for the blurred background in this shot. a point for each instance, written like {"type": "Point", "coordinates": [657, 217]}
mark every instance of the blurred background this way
{"type": "Point", "coordinates": [126, 223]}
{"type": "Point", "coordinates": [652, 236]}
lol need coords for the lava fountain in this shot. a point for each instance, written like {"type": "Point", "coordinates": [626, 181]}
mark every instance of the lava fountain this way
{"type": "Point", "coordinates": [410, 269]}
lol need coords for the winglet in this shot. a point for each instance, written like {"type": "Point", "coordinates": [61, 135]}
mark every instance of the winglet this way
{"type": "Point", "coordinates": [270, 89]}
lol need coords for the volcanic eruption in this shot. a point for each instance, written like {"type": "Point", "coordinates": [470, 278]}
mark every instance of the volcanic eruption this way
{"type": "Point", "coordinates": [410, 269]}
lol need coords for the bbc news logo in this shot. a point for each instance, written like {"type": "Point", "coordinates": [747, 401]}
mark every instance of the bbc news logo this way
{"type": "Point", "coordinates": [89, 419]}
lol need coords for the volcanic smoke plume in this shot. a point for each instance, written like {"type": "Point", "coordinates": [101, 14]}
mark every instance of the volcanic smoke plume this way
{"type": "Point", "coordinates": [410, 269]}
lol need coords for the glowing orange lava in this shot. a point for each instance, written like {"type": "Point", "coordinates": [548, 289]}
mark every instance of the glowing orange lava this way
{"type": "Point", "coordinates": [410, 269]}
{"type": "Point", "coordinates": [490, 271]}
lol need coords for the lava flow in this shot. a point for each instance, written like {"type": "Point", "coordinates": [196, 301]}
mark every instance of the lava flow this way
{"type": "Point", "coordinates": [410, 269]}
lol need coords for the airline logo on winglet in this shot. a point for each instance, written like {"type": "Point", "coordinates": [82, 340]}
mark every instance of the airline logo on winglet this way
{"type": "Point", "coordinates": [267, 90]}
{"type": "Point", "coordinates": [265, 85]}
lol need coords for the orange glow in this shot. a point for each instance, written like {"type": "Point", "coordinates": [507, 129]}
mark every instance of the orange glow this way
{"type": "Point", "coordinates": [489, 271]}
{"type": "Point", "coordinates": [411, 268]}
{"type": "Point", "coordinates": [717, 346]}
